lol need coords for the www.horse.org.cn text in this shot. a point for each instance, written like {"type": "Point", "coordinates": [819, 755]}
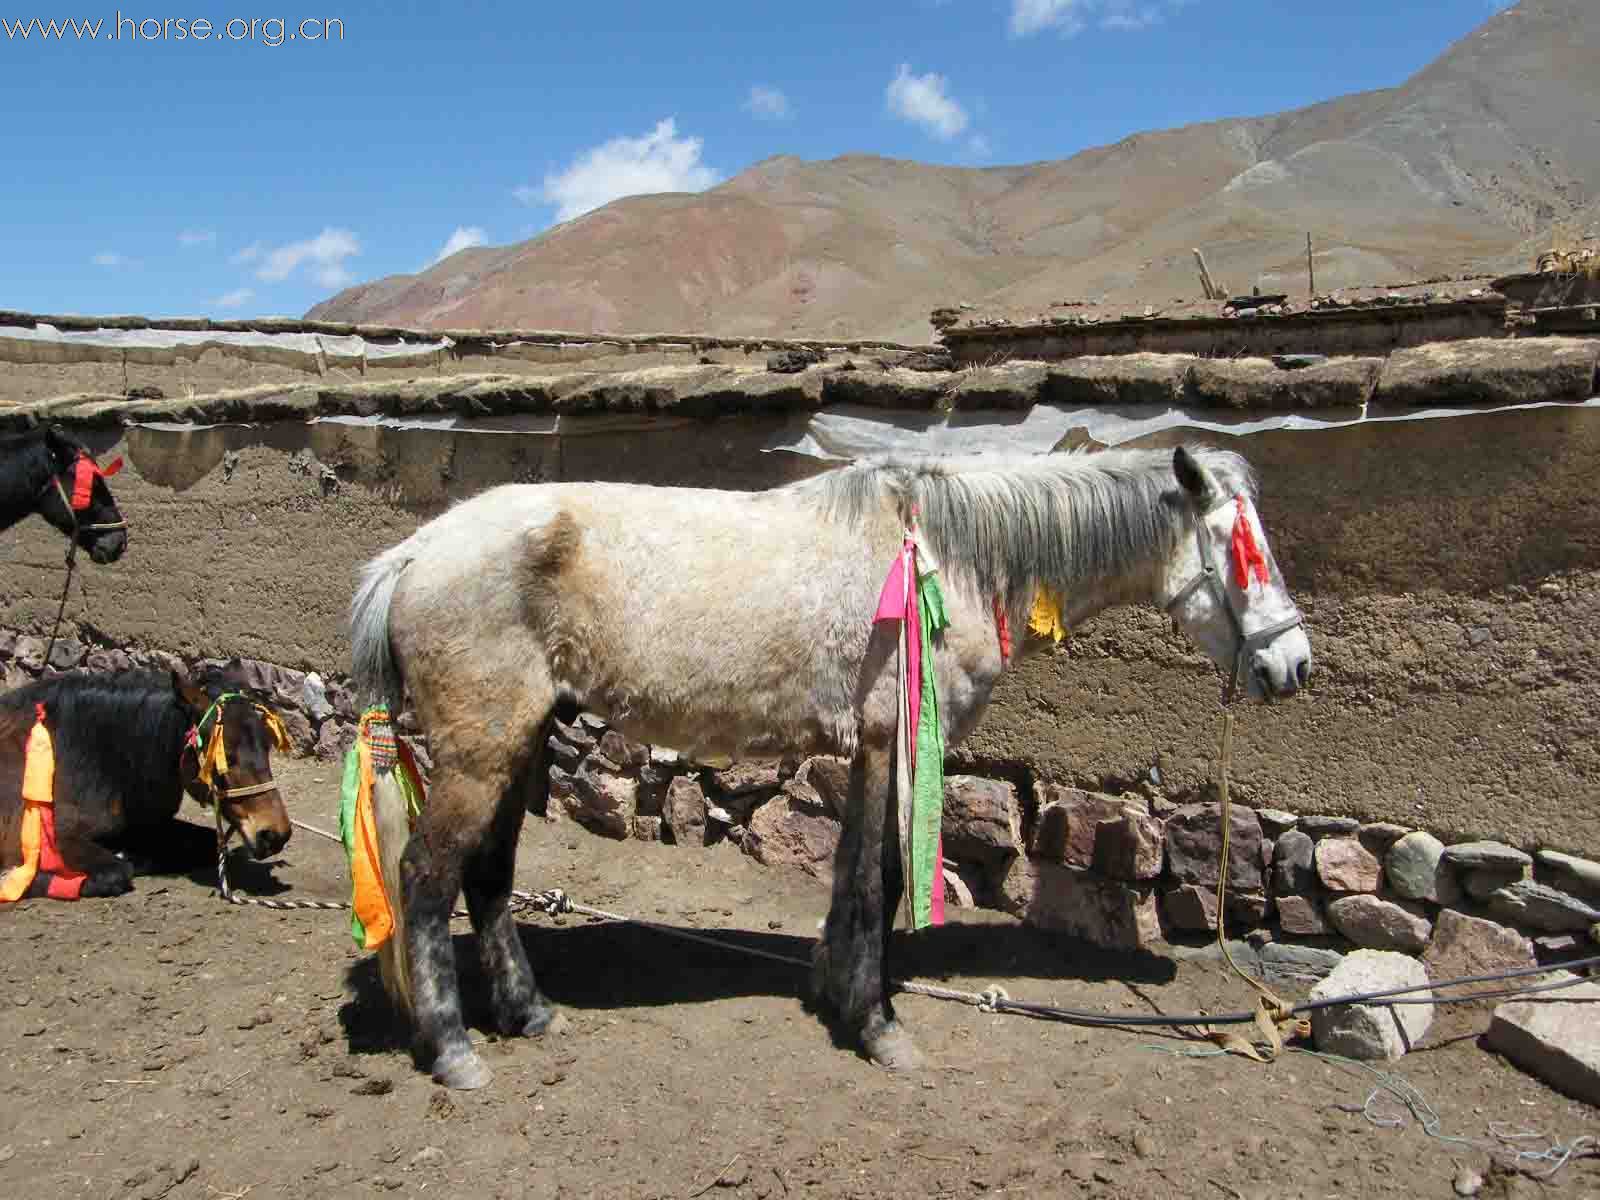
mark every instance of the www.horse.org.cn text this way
{"type": "Point", "coordinates": [265, 31]}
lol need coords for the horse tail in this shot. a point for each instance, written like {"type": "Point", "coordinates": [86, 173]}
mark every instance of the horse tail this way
{"type": "Point", "coordinates": [392, 825]}
{"type": "Point", "coordinates": [377, 675]}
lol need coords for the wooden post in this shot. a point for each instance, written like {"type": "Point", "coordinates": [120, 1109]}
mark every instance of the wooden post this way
{"type": "Point", "coordinates": [1210, 289]}
{"type": "Point", "coordinates": [1311, 268]}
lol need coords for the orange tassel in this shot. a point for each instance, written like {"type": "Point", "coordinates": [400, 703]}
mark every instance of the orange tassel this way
{"type": "Point", "coordinates": [38, 791]}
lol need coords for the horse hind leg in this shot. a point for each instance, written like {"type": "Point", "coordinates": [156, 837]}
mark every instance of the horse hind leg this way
{"type": "Point", "coordinates": [517, 1005]}
{"type": "Point", "coordinates": [464, 834]}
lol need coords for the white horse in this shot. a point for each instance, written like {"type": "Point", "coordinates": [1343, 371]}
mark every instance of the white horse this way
{"type": "Point", "coordinates": [742, 623]}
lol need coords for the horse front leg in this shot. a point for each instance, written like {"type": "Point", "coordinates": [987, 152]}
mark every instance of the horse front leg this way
{"type": "Point", "coordinates": [852, 960]}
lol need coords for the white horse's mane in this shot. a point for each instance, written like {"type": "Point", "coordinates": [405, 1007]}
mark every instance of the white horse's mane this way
{"type": "Point", "coordinates": [1016, 522]}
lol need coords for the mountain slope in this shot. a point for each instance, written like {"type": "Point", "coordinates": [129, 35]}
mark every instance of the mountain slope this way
{"type": "Point", "coordinates": [1453, 170]}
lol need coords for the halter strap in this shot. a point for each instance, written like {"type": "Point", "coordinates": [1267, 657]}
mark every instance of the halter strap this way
{"type": "Point", "coordinates": [1210, 576]}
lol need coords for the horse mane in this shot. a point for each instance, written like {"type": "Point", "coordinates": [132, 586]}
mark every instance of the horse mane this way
{"type": "Point", "coordinates": [1018, 522]}
{"type": "Point", "coordinates": [129, 725]}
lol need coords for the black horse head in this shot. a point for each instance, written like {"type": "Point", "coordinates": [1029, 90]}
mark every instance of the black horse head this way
{"type": "Point", "coordinates": [51, 473]}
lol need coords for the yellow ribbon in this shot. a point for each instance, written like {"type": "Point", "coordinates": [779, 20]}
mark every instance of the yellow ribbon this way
{"type": "Point", "coordinates": [214, 755]}
{"type": "Point", "coordinates": [38, 788]}
{"type": "Point", "coordinates": [1045, 618]}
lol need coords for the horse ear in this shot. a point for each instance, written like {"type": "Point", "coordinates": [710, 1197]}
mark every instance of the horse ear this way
{"type": "Point", "coordinates": [191, 694]}
{"type": "Point", "coordinates": [1193, 478]}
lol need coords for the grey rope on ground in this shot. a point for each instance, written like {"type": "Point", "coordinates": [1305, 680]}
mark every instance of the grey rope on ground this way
{"type": "Point", "coordinates": [555, 902]}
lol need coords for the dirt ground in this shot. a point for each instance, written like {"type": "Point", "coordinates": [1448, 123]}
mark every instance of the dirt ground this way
{"type": "Point", "coordinates": [165, 1044]}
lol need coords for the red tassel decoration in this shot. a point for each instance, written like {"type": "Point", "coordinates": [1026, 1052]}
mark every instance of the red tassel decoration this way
{"type": "Point", "coordinates": [1247, 557]}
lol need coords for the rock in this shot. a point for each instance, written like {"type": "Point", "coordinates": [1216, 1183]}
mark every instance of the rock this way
{"type": "Point", "coordinates": [645, 829]}
{"type": "Point", "coordinates": [1559, 1043]}
{"type": "Point", "coordinates": [313, 698]}
{"type": "Point", "coordinates": [1096, 380]}
{"type": "Point", "coordinates": [1275, 822]}
{"type": "Point", "coordinates": [1378, 836]}
{"type": "Point", "coordinates": [1416, 869]}
{"type": "Point", "coordinates": [29, 654]}
{"type": "Point", "coordinates": [1292, 864]}
{"type": "Point", "coordinates": [1048, 895]}
{"type": "Point", "coordinates": [830, 777]}
{"type": "Point", "coordinates": [1483, 882]}
{"type": "Point", "coordinates": [1286, 965]}
{"type": "Point", "coordinates": [428, 1156]}
{"type": "Point", "coordinates": [661, 756]}
{"type": "Point", "coordinates": [1371, 1031]}
{"type": "Point", "coordinates": [302, 739]}
{"type": "Point", "coordinates": [1467, 1182]}
{"type": "Point", "coordinates": [334, 740]}
{"type": "Point", "coordinates": [743, 778]}
{"type": "Point", "coordinates": [789, 362]}
{"type": "Point", "coordinates": [684, 812]}
{"type": "Point", "coordinates": [1345, 865]}
{"type": "Point", "coordinates": [1301, 916]}
{"type": "Point", "coordinates": [794, 830]}
{"type": "Point", "coordinates": [1189, 906]}
{"type": "Point", "coordinates": [1259, 384]}
{"type": "Point", "coordinates": [1194, 846]}
{"type": "Point", "coordinates": [592, 725]}
{"type": "Point", "coordinates": [1463, 945]}
{"type": "Point", "coordinates": [563, 753]}
{"type": "Point", "coordinates": [1321, 827]}
{"type": "Point", "coordinates": [982, 819]}
{"type": "Point", "coordinates": [1249, 909]}
{"type": "Point", "coordinates": [1540, 907]}
{"type": "Point", "coordinates": [1376, 924]}
{"type": "Point", "coordinates": [109, 660]}
{"type": "Point", "coordinates": [1500, 371]}
{"type": "Point", "coordinates": [601, 799]}
{"type": "Point", "coordinates": [1578, 874]}
{"type": "Point", "coordinates": [1473, 855]}
{"type": "Point", "coordinates": [1130, 847]}
{"type": "Point", "coordinates": [67, 653]}
{"type": "Point", "coordinates": [623, 752]}
{"type": "Point", "coordinates": [574, 735]}
{"type": "Point", "coordinates": [1069, 821]}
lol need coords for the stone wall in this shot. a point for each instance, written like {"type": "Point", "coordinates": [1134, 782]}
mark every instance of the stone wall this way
{"type": "Point", "coordinates": [1365, 331]}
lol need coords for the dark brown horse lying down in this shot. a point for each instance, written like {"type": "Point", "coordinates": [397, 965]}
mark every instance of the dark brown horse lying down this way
{"type": "Point", "coordinates": [126, 748]}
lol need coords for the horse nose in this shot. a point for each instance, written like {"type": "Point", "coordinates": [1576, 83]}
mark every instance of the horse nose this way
{"type": "Point", "coordinates": [269, 841]}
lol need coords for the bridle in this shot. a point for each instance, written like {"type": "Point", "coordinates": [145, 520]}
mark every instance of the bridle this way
{"type": "Point", "coordinates": [211, 759]}
{"type": "Point", "coordinates": [1246, 643]}
{"type": "Point", "coordinates": [84, 472]}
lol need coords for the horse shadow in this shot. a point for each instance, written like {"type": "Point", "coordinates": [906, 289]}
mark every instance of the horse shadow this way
{"type": "Point", "coordinates": [181, 849]}
{"type": "Point", "coordinates": [618, 966]}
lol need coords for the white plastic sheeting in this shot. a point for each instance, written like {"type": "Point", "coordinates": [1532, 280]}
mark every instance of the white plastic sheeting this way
{"type": "Point", "coordinates": [310, 351]}
{"type": "Point", "coordinates": [847, 433]}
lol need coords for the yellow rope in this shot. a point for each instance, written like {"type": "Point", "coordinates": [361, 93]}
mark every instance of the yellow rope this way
{"type": "Point", "coordinates": [1275, 1020]}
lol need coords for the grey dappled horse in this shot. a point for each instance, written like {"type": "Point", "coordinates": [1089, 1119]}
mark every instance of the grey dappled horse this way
{"type": "Point", "coordinates": [724, 623]}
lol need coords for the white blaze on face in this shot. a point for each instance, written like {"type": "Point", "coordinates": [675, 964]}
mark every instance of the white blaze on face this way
{"type": "Point", "coordinates": [1279, 665]}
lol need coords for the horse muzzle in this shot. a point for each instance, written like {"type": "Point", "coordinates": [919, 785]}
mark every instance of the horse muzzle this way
{"type": "Point", "coordinates": [264, 843]}
{"type": "Point", "coordinates": [108, 547]}
{"type": "Point", "coordinates": [1280, 669]}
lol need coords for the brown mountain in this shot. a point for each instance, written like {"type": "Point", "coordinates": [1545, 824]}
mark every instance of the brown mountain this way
{"type": "Point", "coordinates": [1460, 168]}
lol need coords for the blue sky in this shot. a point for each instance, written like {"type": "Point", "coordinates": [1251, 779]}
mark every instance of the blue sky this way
{"type": "Point", "coordinates": [230, 176]}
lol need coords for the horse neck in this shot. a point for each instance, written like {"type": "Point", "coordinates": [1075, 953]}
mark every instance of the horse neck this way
{"type": "Point", "coordinates": [23, 477]}
{"type": "Point", "coordinates": [1097, 540]}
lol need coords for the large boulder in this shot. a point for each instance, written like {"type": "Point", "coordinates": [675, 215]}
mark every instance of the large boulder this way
{"type": "Point", "coordinates": [1371, 1031]}
{"type": "Point", "coordinates": [1463, 946]}
{"type": "Point", "coordinates": [982, 820]}
{"type": "Point", "coordinates": [1048, 895]}
{"type": "Point", "coordinates": [1194, 846]}
{"type": "Point", "coordinates": [794, 829]}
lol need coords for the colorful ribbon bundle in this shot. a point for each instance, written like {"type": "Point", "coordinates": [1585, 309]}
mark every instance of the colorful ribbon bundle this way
{"type": "Point", "coordinates": [39, 851]}
{"type": "Point", "coordinates": [378, 761]}
{"type": "Point", "coordinates": [911, 595]}
{"type": "Point", "coordinates": [212, 748]}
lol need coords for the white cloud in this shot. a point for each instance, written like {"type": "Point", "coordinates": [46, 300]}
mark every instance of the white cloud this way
{"type": "Point", "coordinates": [660, 161]}
{"type": "Point", "coordinates": [248, 255]}
{"type": "Point", "coordinates": [237, 298]}
{"type": "Point", "coordinates": [323, 254]}
{"type": "Point", "coordinates": [109, 258]}
{"type": "Point", "coordinates": [922, 100]}
{"type": "Point", "coordinates": [197, 237]}
{"type": "Point", "coordinates": [768, 103]}
{"type": "Point", "coordinates": [464, 238]}
{"type": "Point", "coordinates": [1073, 16]}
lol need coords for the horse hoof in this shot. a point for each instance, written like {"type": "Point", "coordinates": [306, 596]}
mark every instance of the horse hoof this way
{"type": "Point", "coordinates": [546, 1022]}
{"type": "Point", "coordinates": [463, 1072]}
{"type": "Point", "coordinates": [894, 1050]}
